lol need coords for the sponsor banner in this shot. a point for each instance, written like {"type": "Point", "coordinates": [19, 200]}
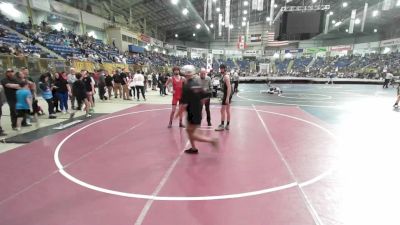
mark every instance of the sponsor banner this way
{"type": "Point", "coordinates": [269, 52]}
{"type": "Point", "coordinates": [390, 42]}
{"type": "Point", "coordinates": [199, 50]}
{"type": "Point", "coordinates": [217, 52]}
{"type": "Point", "coordinates": [255, 38]}
{"type": "Point", "coordinates": [316, 50]}
{"type": "Point", "coordinates": [233, 52]}
{"type": "Point", "coordinates": [181, 48]}
{"type": "Point", "coordinates": [134, 48]}
{"type": "Point", "coordinates": [157, 42]}
{"type": "Point", "coordinates": [341, 48]}
{"type": "Point", "coordinates": [168, 46]}
{"type": "Point", "coordinates": [227, 13]}
{"type": "Point", "coordinates": [251, 53]}
{"type": "Point", "coordinates": [145, 38]}
{"type": "Point", "coordinates": [298, 50]}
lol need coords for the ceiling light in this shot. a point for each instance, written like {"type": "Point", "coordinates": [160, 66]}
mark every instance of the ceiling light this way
{"type": "Point", "coordinates": [231, 26]}
{"type": "Point", "coordinates": [330, 13]}
{"type": "Point", "coordinates": [275, 6]}
{"type": "Point", "coordinates": [245, 12]}
{"type": "Point", "coordinates": [176, 35]}
{"type": "Point", "coordinates": [314, 1]}
{"type": "Point", "coordinates": [194, 35]}
{"type": "Point", "coordinates": [244, 18]}
{"type": "Point", "coordinates": [375, 13]}
{"type": "Point", "coordinates": [214, 1]}
{"type": "Point", "coordinates": [243, 23]}
{"type": "Point", "coordinates": [345, 4]}
{"type": "Point", "coordinates": [218, 9]}
{"type": "Point", "coordinates": [268, 19]}
{"type": "Point", "coordinates": [198, 26]}
{"type": "Point", "coordinates": [223, 23]}
{"type": "Point", "coordinates": [347, 30]}
{"type": "Point", "coordinates": [357, 21]}
{"type": "Point", "coordinates": [185, 11]}
{"type": "Point", "coordinates": [398, 3]}
{"type": "Point", "coordinates": [333, 21]}
{"type": "Point", "coordinates": [212, 25]}
{"type": "Point", "coordinates": [375, 30]}
{"type": "Point", "coordinates": [174, 2]}
{"type": "Point", "coordinates": [245, 3]}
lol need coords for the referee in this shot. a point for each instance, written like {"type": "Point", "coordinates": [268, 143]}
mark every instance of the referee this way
{"type": "Point", "coordinates": [192, 95]}
{"type": "Point", "coordinates": [205, 82]}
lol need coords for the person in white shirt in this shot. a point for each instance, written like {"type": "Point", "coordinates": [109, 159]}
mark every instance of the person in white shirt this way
{"type": "Point", "coordinates": [139, 84]}
{"type": "Point", "coordinates": [388, 78]}
{"type": "Point", "coordinates": [149, 79]}
{"type": "Point", "coordinates": [236, 81]}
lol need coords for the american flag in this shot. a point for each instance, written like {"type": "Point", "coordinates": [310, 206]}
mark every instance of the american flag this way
{"type": "Point", "coordinates": [272, 42]}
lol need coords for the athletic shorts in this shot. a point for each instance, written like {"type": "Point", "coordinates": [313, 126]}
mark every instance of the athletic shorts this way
{"type": "Point", "coordinates": [23, 112]}
{"type": "Point", "coordinates": [194, 118]}
{"type": "Point", "coordinates": [176, 100]}
{"type": "Point", "coordinates": [224, 99]}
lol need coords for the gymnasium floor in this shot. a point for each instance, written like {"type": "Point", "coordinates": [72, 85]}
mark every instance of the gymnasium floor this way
{"type": "Point", "coordinates": [318, 154]}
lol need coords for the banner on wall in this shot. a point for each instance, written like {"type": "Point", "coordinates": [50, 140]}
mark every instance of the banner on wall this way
{"type": "Point", "coordinates": [227, 13]}
{"type": "Point", "coordinates": [297, 50]}
{"type": "Point", "coordinates": [340, 48]}
{"type": "Point", "coordinates": [145, 38]}
{"type": "Point", "coordinates": [157, 42]}
{"type": "Point", "coordinates": [181, 48]}
{"type": "Point", "coordinates": [390, 42]}
{"type": "Point", "coordinates": [316, 50]}
{"type": "Point", "coordinates": [134, 48]}
{"type": "Point", "coordinates": [217, 52]}
{"type": "Point", "coordinates": [255, 38]}
{"type": "Point", "coordinates": [251, 52]}
{"type": "Point", "coordinates": [168, 46]}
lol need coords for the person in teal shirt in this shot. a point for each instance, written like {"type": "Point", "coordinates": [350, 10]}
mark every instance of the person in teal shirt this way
{"type": "Point", "coordinates": [24, 103]}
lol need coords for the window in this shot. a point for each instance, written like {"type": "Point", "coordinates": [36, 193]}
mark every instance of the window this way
{"type": "Point", "coordinates": [124, 38]}
{"type": "Point", "coordinates": [130, 40]}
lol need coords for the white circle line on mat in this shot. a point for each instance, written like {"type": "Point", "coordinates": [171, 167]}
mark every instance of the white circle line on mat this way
{"type": "Point", "coordinates": [186, 198]}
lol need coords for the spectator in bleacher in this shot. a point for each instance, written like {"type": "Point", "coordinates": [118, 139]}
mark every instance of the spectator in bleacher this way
{"type": "Point", "coordinates": [11, 85]}
{"type": "Point", "coordinates": [117, 84]}
{"type": "Point", "coordinates": [62, 90]}
{"type": "Point", "coordinates": [45, 87]}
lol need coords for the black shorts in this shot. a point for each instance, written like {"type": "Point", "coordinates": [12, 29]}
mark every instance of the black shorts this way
{"type": "Point", "coordinates": [224, 99]}
{"type": "Point", "coordinates": [23, 112]}
{"type": "Point", "coordinates": [194, 118]}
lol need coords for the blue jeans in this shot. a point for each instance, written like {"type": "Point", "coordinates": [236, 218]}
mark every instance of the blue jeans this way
{"type": "Point", "coordinates": [63, 97]}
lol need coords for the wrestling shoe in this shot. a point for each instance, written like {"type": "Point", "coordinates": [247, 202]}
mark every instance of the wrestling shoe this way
{"type": "Point", "coordinates": [220, 128]}
{"type": "Point", "coordinates": [191, 151]}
